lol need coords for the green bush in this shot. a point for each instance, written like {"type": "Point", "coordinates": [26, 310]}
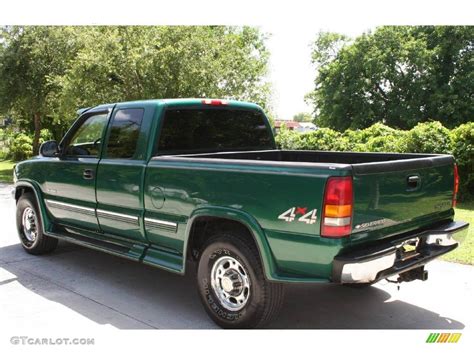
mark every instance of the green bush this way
{"type": "Point", "coordinates": [463, 150]}
{"type": "Point", "coordinates": [45, 135]}
{"type": "Point", "coordinates": [20, 147]}
{"type": "Point", "coordinates": [287, 139]}
{"type": "Point", "coordinates": [3, 144]}
{"type": "Point", "coordinates": [389, 143]}
{"type": "Point", "coordinates": [355, 140]}
{"type": "Point", "coordinates": [429, 137]}
{"type": "Point", "coordinates": [363, 135]}
{"type": "Point", "coordinates": [321, 139]}
{"type": "Point", "coordinates": [376, 138]}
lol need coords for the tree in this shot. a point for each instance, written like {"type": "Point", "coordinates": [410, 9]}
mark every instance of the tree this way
{"type": "Point", "coordinates": [50, 72]}
{"type": "Point", "coordinates": [397, 75]}
{"type": "Point", "coordinates": [29, 59]}
{"type": "Point", "coordinates": [303, 117]}
{"type": "Point", "coordinates": [326, 47]}
{"type": "Point", "coordinates": [136, 62]}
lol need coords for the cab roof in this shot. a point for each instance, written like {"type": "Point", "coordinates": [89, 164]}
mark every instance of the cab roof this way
{"type": "Point", "coordinates": [184, 102]}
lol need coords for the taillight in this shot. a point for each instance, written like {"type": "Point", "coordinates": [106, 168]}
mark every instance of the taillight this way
{"type": "Point", "coordinates": [214, 102]}
{"type": "Point", "coordinates": [456, 184]}
{"type": "Point", "coordinates": [337, 208]}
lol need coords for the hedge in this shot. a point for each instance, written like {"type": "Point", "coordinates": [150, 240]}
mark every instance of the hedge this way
{"type": "Point", "coordinates": [429, 137]}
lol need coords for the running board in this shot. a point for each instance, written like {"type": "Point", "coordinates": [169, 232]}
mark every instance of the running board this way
{"type": "Point", "coordinates": [148, 255]}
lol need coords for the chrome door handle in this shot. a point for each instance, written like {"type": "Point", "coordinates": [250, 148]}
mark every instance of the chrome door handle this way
{"type": "Point", "coordinates": [88, 174]}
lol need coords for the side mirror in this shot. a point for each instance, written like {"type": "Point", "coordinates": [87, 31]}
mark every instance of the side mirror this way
{"type": "Point", "coordinates": [49, 149]}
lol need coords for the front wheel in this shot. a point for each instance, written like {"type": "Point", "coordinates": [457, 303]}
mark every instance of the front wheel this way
{"type": "Point", "coordinates": [232, 284]}
{"type": "Point", "coordinates": [30, 228]}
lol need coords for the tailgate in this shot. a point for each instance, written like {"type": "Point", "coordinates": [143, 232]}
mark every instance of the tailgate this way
{"type": "Point", "coordinates": [398, 196]}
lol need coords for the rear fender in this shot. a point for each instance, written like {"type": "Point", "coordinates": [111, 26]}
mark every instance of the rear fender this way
{"type": "Point", "coordinates": [245, 219]}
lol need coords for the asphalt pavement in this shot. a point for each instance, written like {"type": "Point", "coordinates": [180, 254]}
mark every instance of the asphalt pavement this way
{"type": "Point", "coordinates": [87, 288]}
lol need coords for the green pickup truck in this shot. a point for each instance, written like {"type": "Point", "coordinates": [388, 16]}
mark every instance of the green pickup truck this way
{"type": "Point", "coordinates": [172, 182]}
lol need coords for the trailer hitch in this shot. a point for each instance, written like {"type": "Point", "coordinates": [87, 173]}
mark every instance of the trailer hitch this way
{"type": "Point", "coordinates": [418, 273]}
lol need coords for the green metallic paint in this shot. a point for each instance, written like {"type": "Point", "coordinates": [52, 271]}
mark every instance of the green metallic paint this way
{"type": "Point", "coordinates": [263, 192]}
{"type": "Point", "coordinates": [387, 197]}
{"type": "Point", "coordinates": [300, 256]}
{"type": "Point", "coordinates": [120, 190]}
{"type": "Point", "coordinates": [63, 181]}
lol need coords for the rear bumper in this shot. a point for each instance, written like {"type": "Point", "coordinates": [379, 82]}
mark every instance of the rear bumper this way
{"type": "Point", "coordinates": [373, 264]}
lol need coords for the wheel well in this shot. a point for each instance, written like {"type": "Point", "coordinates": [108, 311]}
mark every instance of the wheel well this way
{"type": "Point", "coordinates": [204, 227]}
{"type": "Point", "coordinates": [22, 190]}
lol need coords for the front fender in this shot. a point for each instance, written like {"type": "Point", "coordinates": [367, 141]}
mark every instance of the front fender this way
{"type": "Point", "coordinates": [32, 185]}
{"type": "Point", "coordinates": [245, 219]}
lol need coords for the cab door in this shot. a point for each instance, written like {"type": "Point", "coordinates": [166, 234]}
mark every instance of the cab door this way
{"type": "Point", "coordinates": [121, 172]}
{"type": "Point", "coordinates": [71, 178]}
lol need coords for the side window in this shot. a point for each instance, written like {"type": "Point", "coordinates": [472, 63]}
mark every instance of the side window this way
{"type": "Point", "coordinates": [124, 133]}
{"type": "Point", "coordinates": [86, 141]}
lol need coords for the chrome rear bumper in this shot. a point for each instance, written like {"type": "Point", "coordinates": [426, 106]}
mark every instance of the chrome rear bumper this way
{"type": "Point", "coordinates": [372, 264]}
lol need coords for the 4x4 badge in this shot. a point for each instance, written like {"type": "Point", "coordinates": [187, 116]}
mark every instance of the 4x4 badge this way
{"type": "Point", "coordinates": [307, 217]}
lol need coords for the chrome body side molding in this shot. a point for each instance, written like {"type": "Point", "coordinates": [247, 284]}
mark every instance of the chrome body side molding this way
{"type": "Point", "coordinates": [161, 224]}
{"type": "Point", "coordinates": [69, 207]}
{"type": "Point", "coordinates": [121, 217]}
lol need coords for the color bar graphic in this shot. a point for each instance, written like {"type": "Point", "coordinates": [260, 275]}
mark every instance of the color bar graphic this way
{"type": "Point", "coordinates": [443, 337]}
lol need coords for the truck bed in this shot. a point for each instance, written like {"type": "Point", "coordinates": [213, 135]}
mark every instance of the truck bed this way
{"type": "Point", "coordinates": [386, 203]}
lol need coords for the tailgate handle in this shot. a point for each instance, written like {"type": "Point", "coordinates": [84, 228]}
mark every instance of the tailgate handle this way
{"type": "Point", "coordinates": [413, 182]}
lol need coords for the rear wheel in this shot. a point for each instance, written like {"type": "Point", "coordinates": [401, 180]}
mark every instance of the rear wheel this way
{"type": "Point", "coordinates": [30, 227]}
{"type": "Point", "coordinates": [232, 284]}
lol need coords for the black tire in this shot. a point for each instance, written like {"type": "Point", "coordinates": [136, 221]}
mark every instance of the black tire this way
{"type": "Point", "coordinates": [264, 298]}
{"type": "Point", "coordinates": [41, 243]}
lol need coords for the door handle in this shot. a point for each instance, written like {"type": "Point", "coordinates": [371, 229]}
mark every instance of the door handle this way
{"type": "Point", "coordinates": [88, 174]}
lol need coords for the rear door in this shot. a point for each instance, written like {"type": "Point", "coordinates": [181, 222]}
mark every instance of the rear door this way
{"type": "Point", "coordinates": [397, 196]}
{"type": "Point", "coordinates": [121, 172]}
{"type": "Point", "coordinates": [70, 178]}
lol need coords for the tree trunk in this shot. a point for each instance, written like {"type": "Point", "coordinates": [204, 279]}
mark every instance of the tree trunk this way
{"type": "Point", "coordinates": [37, 121]}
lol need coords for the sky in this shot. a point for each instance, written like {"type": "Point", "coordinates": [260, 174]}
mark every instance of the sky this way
{"type": "Point", "coordinates": [291, 72]}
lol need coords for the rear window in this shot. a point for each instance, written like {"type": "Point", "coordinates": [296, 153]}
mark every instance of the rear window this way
{"type": "Point", "coordinates": [209, 130]}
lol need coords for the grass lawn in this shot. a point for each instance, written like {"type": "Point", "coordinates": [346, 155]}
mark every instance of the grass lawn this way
{"type": "Point", "coordinates": [465, 252]}
{"type": "Point", "coordinates": [6, 170]}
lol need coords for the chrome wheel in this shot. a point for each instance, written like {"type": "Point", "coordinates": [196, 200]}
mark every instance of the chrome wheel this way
{"type": "Point", "coordinates": [30, 224]}
{"type": "Point", "coordinates": [231, 283]}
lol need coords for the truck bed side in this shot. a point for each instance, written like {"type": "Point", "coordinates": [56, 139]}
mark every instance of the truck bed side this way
{"type": "Point", "coordinates": [265, 191]}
